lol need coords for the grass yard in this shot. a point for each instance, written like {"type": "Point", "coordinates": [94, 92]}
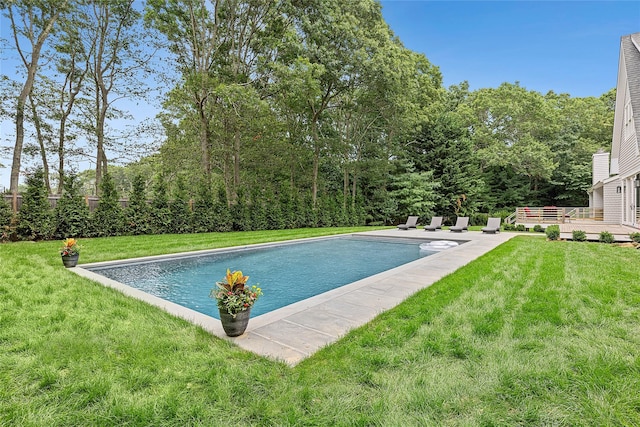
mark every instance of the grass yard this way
{"type": "Point", "coordinates": [532, 333]}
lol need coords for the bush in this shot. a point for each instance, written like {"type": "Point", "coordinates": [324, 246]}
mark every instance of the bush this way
{"type": "Point", "coordinates": [538, 228]}
{"type": "Point", "coordinates": [520, 227]}
{"type": "Point", "coordinates": [503, 214]}
{"type": "Point", "coordinates": [137, 212]}
{"type": "Point", "coordinates": [202, 218]}
{"type": "Point", "coordinates": [179, 208]}
{"type": "Point", "coordinates": [508, 227]}
{"type": "Point", "coordinates": [579, 235]}
{"type": "Point", "coordinates": [635, 237]}
{"type": "Point", "coordinates": [6, 217]}
{"type": "Point", "coordinates": [553, 232]}
{"type": "Point", "coordinates": [71, 212]}
{"type": "Point", "coordinates": [478, 219]}
{"type": "Point", "coordinates": [107, 219]}
{"type": "Point", "coordinates": [606, 237]}
{"type": "Point", "coordinates": [35, 219]}
{"type": "Point", "coordinates": [160, 213]}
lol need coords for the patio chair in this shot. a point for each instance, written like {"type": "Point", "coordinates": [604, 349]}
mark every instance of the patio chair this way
{"type": "Point", "coordinates": [412, 221]}
{"type": "Point", "coordinates": [462, 224]}
{"type": "Point", "coordinates": [436, 224]}
{"type": "Point", "coordinates": [493, 226]}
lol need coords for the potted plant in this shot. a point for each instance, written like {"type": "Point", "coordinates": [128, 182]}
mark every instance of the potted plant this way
{"type": "Point", "coordinates": [235, 300]}
{"type": "Point", "coordinates": [70, 252]}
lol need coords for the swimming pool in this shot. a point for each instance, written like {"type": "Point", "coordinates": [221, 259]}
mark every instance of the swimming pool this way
{"type": "Point", "coordinates": [287, 272]}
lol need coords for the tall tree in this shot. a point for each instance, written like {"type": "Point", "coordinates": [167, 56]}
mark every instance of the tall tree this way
{"type": "Point", "coordinates": [32, 21]}
{"type": "Point", "coordinates": [72, 63]}
{"type": "Point", "coordinates": [444, 148]}
{"type": "Point", "coordinates": [119, 58]}
{"type": "Point", "coordinates": [217, 46]}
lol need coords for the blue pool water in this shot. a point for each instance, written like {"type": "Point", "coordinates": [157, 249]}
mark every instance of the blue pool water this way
{"type": "Point", "coordinates": [287, 273]}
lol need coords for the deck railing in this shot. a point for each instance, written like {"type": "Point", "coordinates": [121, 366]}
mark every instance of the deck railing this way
{"type": "Point", "coordinates": [555, 215]}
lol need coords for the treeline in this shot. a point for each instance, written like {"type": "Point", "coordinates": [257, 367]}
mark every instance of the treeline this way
{"type": "Point", "coordinates": [297, 112]}
{"type": "Point", "coordinates": [165, 213]}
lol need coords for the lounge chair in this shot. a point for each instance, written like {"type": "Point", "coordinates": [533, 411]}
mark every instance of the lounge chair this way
{"type": "Point", "coordinates": [412, 221]}
{"type": "Point", "coordinates": [462, 224]}
{"type": "Point", "coordinates": [436, 224]}
{"type": "Point", "coordinates": [493, 226]}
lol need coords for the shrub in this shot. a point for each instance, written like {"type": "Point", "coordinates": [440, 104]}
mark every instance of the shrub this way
{"type": "Point", "coordinates": [606, 237]}
{"type": "Point", "coordinates": [635, 237]}
{"type": "Point", "coordinates": [538, 228]}
{"type": "Point", "coordinates": [35, 219]}
{"type": "Point", "coordinates": [478, 219]}
{"type": "Point", "coordinates": [579, 235]}
{"type": "Point", "coordinates": [520, 227]}
{"type": "Point", "coordinates": [6, 217]}
{"type": "Point", "coordinates": [503, 214]}
{"type": "Point", "coordinates": [221, 214]}
{"type": "Point", "coordinates": [508, 227]}
{"type": "Point", "coordinates": [71, 212]}
{"type": "Point", "coordinates": [107, 219]}
{"type": "Point", "coordinates": [137, 212]}
{"type": "Point", "coordinates": [202, 216]}
{"type": "Point", "coordinates": [179, 207]}
{"type": "Point", "coordinates": [553, 232]}
{"type": "Point", "coordinates": [160, 213]}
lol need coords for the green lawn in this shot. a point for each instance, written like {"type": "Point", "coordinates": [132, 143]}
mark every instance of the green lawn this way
{"type": "Point", "coordinates": [532, 333]}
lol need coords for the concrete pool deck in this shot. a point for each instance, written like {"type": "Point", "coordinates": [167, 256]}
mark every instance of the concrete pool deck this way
{"type": "Point", "coordinates": [294, 332]}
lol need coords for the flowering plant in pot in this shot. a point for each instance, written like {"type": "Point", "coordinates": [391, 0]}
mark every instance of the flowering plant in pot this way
{"type": "Point", "coordinates": [70, 252]}
{"type": "Point", "coordinates": [235, 299]}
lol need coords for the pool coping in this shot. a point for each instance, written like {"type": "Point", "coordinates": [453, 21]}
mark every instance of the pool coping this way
{"type": "Point", "coordinates": [295, 332]}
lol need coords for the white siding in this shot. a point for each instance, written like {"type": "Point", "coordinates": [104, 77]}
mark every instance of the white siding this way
{"type": "Point", "coordinates": [612, 203]}
{"type": "Point", "coordinates": [600, 165]}
{"type": "Point", "coordinates": [629, 155]}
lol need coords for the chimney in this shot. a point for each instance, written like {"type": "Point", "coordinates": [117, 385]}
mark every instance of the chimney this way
{"type": "Point", "coordinates": [600, 166]}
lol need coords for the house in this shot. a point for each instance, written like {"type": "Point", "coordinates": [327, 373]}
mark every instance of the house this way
{"type": "Point", "coordinates": [615, 189]}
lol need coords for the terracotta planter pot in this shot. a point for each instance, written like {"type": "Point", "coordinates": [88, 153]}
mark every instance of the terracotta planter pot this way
{"type": "Point", "coordinates": [235, 326]}
{"type": "Point", "coordinates": [70, 260]}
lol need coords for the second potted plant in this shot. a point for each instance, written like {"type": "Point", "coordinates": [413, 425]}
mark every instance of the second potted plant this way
{"type": "Point", "coordinates": [235, 300]}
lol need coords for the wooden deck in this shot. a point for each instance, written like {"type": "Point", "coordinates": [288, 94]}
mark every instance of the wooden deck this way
{"type": "Point", "coordinates": [593, 229]}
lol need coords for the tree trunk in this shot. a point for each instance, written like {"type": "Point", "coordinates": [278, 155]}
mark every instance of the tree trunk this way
{"type": "Point", "coordinates": [345, 187]}
{"type": "Point", "coordinates": [316, 163]}
{"type": "Point", "coordinates": [204, 140]}
{"type": "Point", "coordinates": [40, 138]}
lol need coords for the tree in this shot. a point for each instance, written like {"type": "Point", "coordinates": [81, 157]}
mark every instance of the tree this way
{"type": "Point", "coordinates": [137, 214]}
{"type": "Point", "coordinates": [160, 212]}
{"type": "Point", "coordinates": [107, 219]}
{"type": "Point", "coordinates": [35, 219]}
{"type": "Point", "coordinates": [216, 46]}
{"type": "Point", "coordinates": [179, 208]}
{"type": "Point", "coordinates": [512, 128]}
{"type": "Point", "coordinates": [73, 65]}
{"type": "Point", "coordinates": [117, 58]}
{"type": "Point", "coordinates": [32, 21]}
{"type": "Point", "coordinates": [415, 193]}
{"type": "Point", "coordinates": [444, 149]}
{"type": "Point", "coordinates": [71, 212]}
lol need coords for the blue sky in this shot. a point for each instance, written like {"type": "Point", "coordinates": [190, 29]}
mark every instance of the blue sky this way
{"type": "Point", "coordinates": [565, 46]}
